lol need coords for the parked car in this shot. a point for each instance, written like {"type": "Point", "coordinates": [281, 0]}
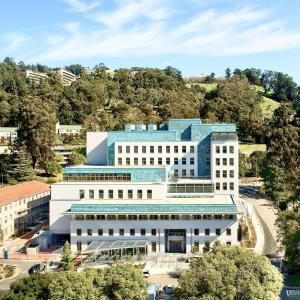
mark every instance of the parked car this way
{"type": "Point", "coordinates": [146, 273]}
{"type": "Point", "coordinates": [169, 289]}
{"type": "Point", "coordinates": [34, 269]}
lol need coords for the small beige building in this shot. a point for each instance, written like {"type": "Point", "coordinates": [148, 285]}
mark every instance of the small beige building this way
{"type": "Point", "coordinates": [23, 205]}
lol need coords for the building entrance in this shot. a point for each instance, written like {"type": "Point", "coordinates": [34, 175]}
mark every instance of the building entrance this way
{"type": "Point", "coordinates": [175, 240]}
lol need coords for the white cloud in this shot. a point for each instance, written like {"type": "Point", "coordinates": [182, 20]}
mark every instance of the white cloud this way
{"type": "Point", "coordinates": [81, 6]}
{"type": "Point", "coordinates": [14, 41]}
{"type": "Point", "coordinates": [155, 27]}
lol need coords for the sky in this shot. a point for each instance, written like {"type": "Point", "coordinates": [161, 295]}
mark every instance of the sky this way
{"type": "Point", "coordinates": [195, 36]}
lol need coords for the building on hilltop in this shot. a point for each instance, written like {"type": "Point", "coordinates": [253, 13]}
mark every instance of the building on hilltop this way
{"type": "Point", "coordinates": [66, 76]}
{"type": "Point", "coordinates": [23, 205]}
{"type": "Point", "coordinates": [35, 75]}
{"type": "Point", "coordinates": [173, 189]}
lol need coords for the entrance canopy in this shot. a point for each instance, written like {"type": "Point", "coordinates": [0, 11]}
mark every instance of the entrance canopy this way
{"type": "Point", "coordinates": [100, 246]}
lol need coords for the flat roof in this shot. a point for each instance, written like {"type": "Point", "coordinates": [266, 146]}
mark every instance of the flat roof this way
{"type": "Point", "coordinates": [98, 246]}
{"type": "Point", "coordinates": [153, 208]}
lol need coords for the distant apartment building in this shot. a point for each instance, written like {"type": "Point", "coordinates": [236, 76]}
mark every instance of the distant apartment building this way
{"type": "Point", "coordinates": [23, 205]}
{"type": "Point", "coordinates": [8, 135]}
{"type": "Point", "coordinates": [66, 76]}
{"type": "Point", "coordinates": [35, 75]}
{"type": "Point", "coordinates": [73, 130]}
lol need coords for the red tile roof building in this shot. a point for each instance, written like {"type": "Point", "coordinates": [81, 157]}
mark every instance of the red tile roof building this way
{"type": "Point", "coordinates": [22, 205]}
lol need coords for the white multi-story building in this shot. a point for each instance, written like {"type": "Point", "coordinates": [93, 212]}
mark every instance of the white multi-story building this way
{"type": "Point", "coordinates": [8, 135]}
{"type": "Point", "coordinates": [35, 75]}
{"type": "Point", "coordinates": [66, 76]}
{"type": "Point", "coordinates": [176, 189]}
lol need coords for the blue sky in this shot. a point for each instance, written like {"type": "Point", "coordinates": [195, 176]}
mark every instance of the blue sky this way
{"type": "Point", "coordinates": [196, 36]}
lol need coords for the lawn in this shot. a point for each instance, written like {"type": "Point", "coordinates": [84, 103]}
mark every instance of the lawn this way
{"type": "Point", "coordinates": [268, 106]}
{"type": "Point", "coordinates": [207, 86]}
{"type": "Point", "coordinates": [252, 147]}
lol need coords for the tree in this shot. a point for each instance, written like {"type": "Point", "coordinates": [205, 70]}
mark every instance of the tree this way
{"type": "Point", "coordinates": [227, 73]}
{"type": "Point", "coordinates": [76, 158]}
{"type": "Point", "coordinates": [19, 166]}
{"type": "Point", "coordinates": [66, 260]}
{"type": "Point", "coordinates": [230, 272]}
{"type": "Point", "coordinates": [37, 129]}
{"type": "Point", "coordinates": [288, 223]}
{"type": "Point", "coordinates": [171, 71]}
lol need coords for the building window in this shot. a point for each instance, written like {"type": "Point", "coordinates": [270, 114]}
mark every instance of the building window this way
{"type": "Point", "coordinates": [175, 149]}
{"type": "Point", "coordinates": [120, 194]}
{"type": "Point", "coordinates": [224, 161]}
{"type": "Point", "coordinates": [101, 194]}
{"type": "Point", "coordinates": [111, 217]}
{"type": "Point", "coordinates": [143, 232]}
{"type": "Point", "coordinates": [81, 194]}
{"type": "Point", "coordinates": [183, 172]}
{"type": "Point", "coordinates": [217, 149]}
{"type": "Point", "coordinates": [144, 149]}
{"type": "Point", "coordinates": [140, 194]}
{"type": "Point", "coordinates": [224, 149]}
{"type": "Point", "coordinates": [231, 161]}
{"type": "Point", "coordinates": [183, 149]}
{"type": "Point", "coordinates": [149, 194]}
{"type": "Point", "coordinates": [132, 217]}
{"type": "Point", "coordinates": [151, 149]}
{"type": "Point", "coordinates": [130, 194]}
{"type": "Point", "coordinates": [164, 217]}
{"type": "Point", "coordinates": [144, 161]}
{"type": "Point", "coordinates": [136, 149]}
{"type": "Point", "coordinates": [136, 161]}
{"type": "Point", "coordinates": [153, 217]}
{"type": "Point", "coordinates": [192, 172]}
{"type": "Point", "coordinates": [168, 149]}
{"type": "Point", "coordinates": [217, 161]}
{"type": "Point", "coordinates": [100, 231]}
{"type": "Point", "coordinates": [127, 149]}
{"type": "Point", "coordinates": [184, 161]}
{"type": "Point", "coordinates": [218, 231]}
{"type": "Point", "coordinates": [196, 231]}
{"type": "Point", "coordinates": [110, 194]}
{"type": "Point", "coordinates": [231, 149]}
{"type": "Point", "coordinates": [119, 149]}
{"type": "Point", "coordinates": [192, 161]}
{"type": "Point", "coordinates": [224, 173]}
{"type": "Point", "coordinates": [153, 232]}
{"type": "Point", "coordinates": [225, 186]}
{"type": "Point", "coordinates": [120, 161]}
{"type": "Point", "coordinates": [153, 246]}
{"type": "Point", "coordinates": [175, 160]}
{"type": "Point", "coordinates": [207, 231]}
{"type": "Point", "coordinates": [175, 173]}
{"type": "Point", "coordinates": [127, 161]}
{"type": "Point", "coordinates": [228, 231]}
{"type": "Point", "coordinates": [196, 247]}
{"type": "Point", "coordinates": [207, 245]}
{"type": "Point", "coordinates": [231, 173]}
{"type": "Point", "coordinates": [78, 231]}
{"type": "Point", "coordinates": [110, 232]}
{"type": "Point", "coordinates": [159, 149]}
{"type": "Point", "coordinates": [228, 243]}
{"type": "Point", "coordinates": [231, 186]}
{"type": "Point", "coordinates": [217, 173]}
{"type": "Point", "coordinates": [168, 161]}
{"type": "Point", "coordinates": [143, 217]}
{"type": "Point", "coordinates": [192, 149]}
{"type": "Point", "coordinates": [121, 232]}
{"type": "Point", "coordinates": [91, 194]}
{"type": "Point", "coordinates": [121, 217]}
{"type": "Point", "coordinates": [79, 246]}
{"type": "Point", "coordinates": [151, 160]}
{"type": "Point", "coordinates": [132, 232]}
{"type": "Point", "coordinates": [89, 232]}
{"type": "Point", "coordinates": [160, 160]}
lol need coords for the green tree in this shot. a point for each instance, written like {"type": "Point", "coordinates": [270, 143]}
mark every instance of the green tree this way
{"type": "Point", "coordinates": [52, 166]}
{"type": "Point", "coordinates": [288, 223]}
{"type": "Point", "coordinates": [66, 260]}
{"type": "Point", "coordinates": [227, 73]}
{"type": "Point", "coordinates": [76, 158]}
{"type": "Point", "coordinates": [229, 273]}
{"type": "Point", "coordinates": [19, 166]}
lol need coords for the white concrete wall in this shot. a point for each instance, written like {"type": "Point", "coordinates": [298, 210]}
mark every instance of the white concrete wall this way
{"type": "Point", "coordinates": [160, 227]}
{"type": "Point", "coordinates": [227, 168]}
{"type": "Point", "coordinates": [96, 148]}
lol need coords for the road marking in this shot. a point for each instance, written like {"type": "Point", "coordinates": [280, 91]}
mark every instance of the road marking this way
{"type": "Point", "coordinates": [293, 293]}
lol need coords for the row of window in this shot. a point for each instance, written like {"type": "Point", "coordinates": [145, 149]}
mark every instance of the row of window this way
{"type": "Point", "coordinates": [224, 149]}
{"type": "Point", "coordinates": [115, 194]}
{"type": "Point", "coordinates": [184, 173]}
{"type": "Point", "coordinates": [225, 186]}
{"type": "Point", "coordinates": [155, 149]}
{"type": "Point", "coordinates": [159, 161]}
{"type": "Point", "coordinates": [225, 173]}
{"type": "Point", "coordinates": [97, 177]}
{"type": "Point", "coordinates": [132, 232]}
{"type": "Point", "coordinates": [90, 217]}
{"type": "Point", "coordinates": [224, 161]}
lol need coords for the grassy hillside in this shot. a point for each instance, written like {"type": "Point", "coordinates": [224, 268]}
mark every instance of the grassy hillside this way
{"type": "Point", "coordinates": [207, 86]}
{"type": "Point", "coordinates": [248, 148]}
